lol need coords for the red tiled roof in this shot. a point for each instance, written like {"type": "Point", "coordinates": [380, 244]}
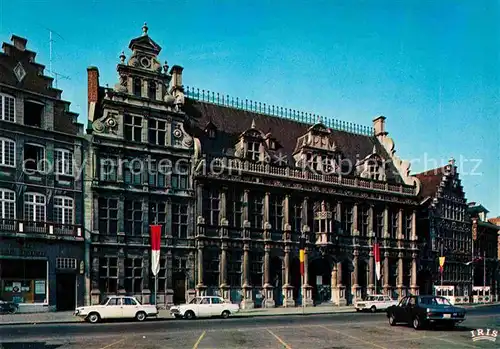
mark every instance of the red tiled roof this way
{"type": "Point", "coordinates": [430, 181]}
{"type": "Point", "coordinates": [230, 123]}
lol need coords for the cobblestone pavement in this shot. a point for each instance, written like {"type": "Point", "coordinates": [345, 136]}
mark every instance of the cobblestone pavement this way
{"type": "Point", "coordinates": [330, 332]}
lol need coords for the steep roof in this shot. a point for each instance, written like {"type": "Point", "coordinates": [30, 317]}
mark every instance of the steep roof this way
{"type": "Point", "coordinates": [430, 181]}
{"type": "Point", "coordinates": [231, 122]}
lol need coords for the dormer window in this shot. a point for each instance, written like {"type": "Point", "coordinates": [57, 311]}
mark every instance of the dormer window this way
{"type": "Point", "coordinates": [313, 161]}
{"type": "Point", "coordinates": [137, 87]}
{"type": "Point", "coordinates": [253, 151]}
{"type": "Point", "coordinates": [328, 165]}
{"type": "Point", "coordinates": [373, 170]}
{"type": "Point", "coordinates": [152, 90]}
{"type": "Point", "coordinates": [211, 133]}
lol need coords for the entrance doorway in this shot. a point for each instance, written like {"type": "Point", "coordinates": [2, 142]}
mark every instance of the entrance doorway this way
{"type": "Point", "coordinates": [179, 283]}
{"type": "Point", "coordinates": [65, 291]}
{"type": "Point", "coordinates": [276, 277]}
{"type": "Point", "coordinates": [320, 271]}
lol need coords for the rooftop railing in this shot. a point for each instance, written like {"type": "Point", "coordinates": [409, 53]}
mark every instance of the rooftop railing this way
{"type": "Point", "coordinates": [275, 111]}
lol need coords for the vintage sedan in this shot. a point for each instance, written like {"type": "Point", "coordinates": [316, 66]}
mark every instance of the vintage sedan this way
{"type": "Point", "coordinates": [374, 303]}
{"type": "Point", "coordinates": [205, 307]}
{"type": "Point", "coordinates": [117, 307]}
{"type": "Point", "coordinates": [421, 311]}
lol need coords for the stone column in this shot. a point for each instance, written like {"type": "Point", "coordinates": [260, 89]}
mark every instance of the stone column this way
{"type": "Point", "coordinates": [287, 288]}
{"type": "Point", "coordinates": [370, 219]}
{"type": "Point", "coordinates": [223, 204]}
{"type": "Point", "coordinates": [121, 273]}
{"type": "Point", "coordinates": [268, 288]}
{"type": "Point", "coordinates": [95, 293]}
{"type": "Point", "coordinates": [342, 300]}
{"type": "Point", "coordinates": [146, 270]}
{"type": "Point", "coordinates": [225, 290]}
{"type": "Point", "coordinates": [307, 299]}
{"type": "Point", "coordinates": [199, 203]}
{"type": "Point", "coordinates": [386, 223]}
{"type": "Point", "coordinates": [247, 302]}
{"type": "Point", "coordinates": [200, 287]}
{"type": "Point", "coordinates": [169, 292]}
{"type": "Point", "coordinates": [401, 288]}
{"type": "Point", "coordinates": [191, 276]}
{"type": "Point", "coordinates": [371, 273]}
{"type": "Point", "coordinates": [387, 286]}
{"type": "Point", "coordinates": [355, 228]}
{"type": "Point", "coordinates": [414, 256]}
{"type": "Point", "coordinates": [335, 289]}
{"type": "Point", "coordinates": [355, 288]}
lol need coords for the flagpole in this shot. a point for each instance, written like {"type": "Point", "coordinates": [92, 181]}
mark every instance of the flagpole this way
{"type": "Point", "coordinates": [373, 271]}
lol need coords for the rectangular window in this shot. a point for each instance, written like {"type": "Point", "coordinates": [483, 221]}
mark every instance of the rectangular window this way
{"type": "Point", "coordinates": [157, 132]}
{"type": "Point", "coordinates": [179, 265]}
{"type": "Point", "coordinates": [7, 204]}
{"type": "Point", "coordinates": [132, 172]}
{"type": "Point", "coordinates": [253, 151]}
{"type": "Point", "coordinates": [234, 203]}
{"type": "Point", "coordinates": [63, 210]}
{"type": "Point", "coordinates": [33, 113]}
{"type": "Point", "coordinates": [378, 224]}
{"type": "Point", "coordinates": [211, 267]}
{"type": "Point", "coordinates": [7, 108]}
{"type": "Point", "coordinates": [346, 219]}
{"type": "Point", "coordinates": [23, 281]}
{"type": "Point", "coordinates": [108, 170]}
{"type": "Point", "coordinates": [256, 210]}
{"type": "Point", "coordinates": [363, 216]}
{"type": "Point", "coordinates": [180, 177]}
{"type": "Point", "coordinates": [393, 223]}
{"type": "Point", "coordinates": [63, 162]}
{"type": "Point", "coordinates": [297, 217]}
{"type": "Point", "coordinates": [408, 225]}
{"type": "Point", "coordinates": [179, 220]}
{"type": "Point", "coordinates": [276, 214]}
{"type": "Point", "coordinates": [158, 213]}
{"type": "Point", "coordinates": [108, 216]}
{"type": "Point", "coordinates": [7, 152]}
{"type": "Point", "coordinates": [211, 208]}
{"type": "Point", "coordinates": [108, 275]}
{"type": "Point", "coordinates": [234, 258]}
{"type": "Point", "coordinates": [133, 217]}
{"type": "Point", "coordinates": [162, 276]}
{"type": "Point", "coordinates": [157, 174]}
{"type": "Point", "coordinates": [133, 275]}
{"type": "Point", "coordinates": [256, 268]}
{"type": "Point", "coordinates": [133, 128]}
{"type": "Point", "coordinates": [34, 207]}
{"type": "Point", "coordinates": [34, 157]}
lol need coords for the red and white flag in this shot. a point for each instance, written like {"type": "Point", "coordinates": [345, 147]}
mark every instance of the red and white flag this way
{"type": "Point", "coordinates": [155, 248]}
{"type": "Point", "coordinates": [376, 254]}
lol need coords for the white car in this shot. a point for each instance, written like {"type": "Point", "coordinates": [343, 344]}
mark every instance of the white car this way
{"type": "Point", "coordinates": [205, 307]}
{"type": "Point", "coordinates": [375, 302]}
{"type": "Point", "coordinates": [117, 307]}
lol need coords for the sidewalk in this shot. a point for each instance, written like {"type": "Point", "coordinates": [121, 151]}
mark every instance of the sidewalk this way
{"type": "Point", "coordinates": [67, 316]}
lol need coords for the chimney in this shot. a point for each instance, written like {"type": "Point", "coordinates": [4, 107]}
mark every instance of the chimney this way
{"type": "Point", "coordinates": [176, 72]}
{"type": "Point", "coordinates": [92, 84]}
{"type": "Point", "coordinates": [18, 42]}
{"type": "Point", "coordinates": [379, 126]}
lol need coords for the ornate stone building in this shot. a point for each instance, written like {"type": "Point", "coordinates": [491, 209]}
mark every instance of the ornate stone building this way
{"type": "Point", "coordinates": [258, 178]}
{"type": "Point", "coordinates": [444, 228]}
{"type": "Point", "coordinates": [41, 147]}
{"type": "Point", "coordinates": [139, 175]}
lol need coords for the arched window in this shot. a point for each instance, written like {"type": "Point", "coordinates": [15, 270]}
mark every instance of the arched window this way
{"type": "Point", "coordinates": [7, 204]}
{"type": "Point", "coordinates": [7, 108]}
{"type": "Point", "coordinates": [137, 87]}
{"type": "Point", "coordinates": [152, 90]}
{"type": "Point", "coordinates": [64, 210]}
{"type": "Point", "coordinates": [34, 207]}
{"type": "Point", "coordinates": [7, 152]}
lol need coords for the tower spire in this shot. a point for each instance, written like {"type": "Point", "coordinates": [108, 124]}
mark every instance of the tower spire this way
{"type": "Point", "coordinates": [145, 29]}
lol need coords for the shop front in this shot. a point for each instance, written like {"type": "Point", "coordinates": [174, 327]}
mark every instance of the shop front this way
{"type": "Point", "coordinates": [41, 276]}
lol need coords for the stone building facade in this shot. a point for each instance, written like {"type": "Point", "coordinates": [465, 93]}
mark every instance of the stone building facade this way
{"type": "Point", "coordinates": [444, 228]}
{"type": "Point", "coordinates": [41, 156]}
{"type": "Point", "coordinates": [139, 174]}
{"type": "Point", "coordinates": [258, 177]}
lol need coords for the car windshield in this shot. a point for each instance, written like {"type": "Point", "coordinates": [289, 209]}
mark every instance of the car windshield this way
{"type": "Point", "coordinates": [434, 301]}
{"type": "Point", "coordinates": [104, 301]}
{"type": "Point", "coordinates": [370, 298]}
{"type": "Point", "coordinates": [195, 300]}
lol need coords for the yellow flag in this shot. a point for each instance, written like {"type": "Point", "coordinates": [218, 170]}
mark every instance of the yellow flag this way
{"type": "Point", "coordinates": [441, 261]}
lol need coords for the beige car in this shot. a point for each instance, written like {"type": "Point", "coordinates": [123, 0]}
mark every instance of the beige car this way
{"type": "Point", "coordinates": [374, 303]}
{"type": "Point", "coordinates": [205, 307]}
{"type": "Point", "coordinates": [117, 307]}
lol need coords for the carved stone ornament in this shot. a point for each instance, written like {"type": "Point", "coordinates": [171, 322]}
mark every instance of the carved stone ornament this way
{"type": "Point", "coordinates": [107, 124]}
{"type": "Point", "coordinates": [121, 86]}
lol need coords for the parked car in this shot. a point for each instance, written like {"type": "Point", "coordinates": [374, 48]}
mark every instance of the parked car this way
{"type": "Point", "coordinates": [205, 307]}
{"type": "Point", "coordinates": [117, 307]}
{"type": "Point", "coordinates": [375, 302]}
{"type": "Point", "coordinates": [7, 307]}
{"type": "Point", "coordinates": [421, 311]}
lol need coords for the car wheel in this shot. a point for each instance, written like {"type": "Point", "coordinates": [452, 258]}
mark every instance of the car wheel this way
{"type": "Point", "coordinates": [140, 316]}
{"type": "Point", "coordinates": [373, 309]}
{"type": "Point", "coordinates": [392, 320]}
{"type": "Point", "coordinates": [417, 324]}
{"type": "Point", "coordinates": [13, 310]}
{"type": "Point", "coordinates": [225, 314]}
{"type": "Point", "coordinates": [357, 310]}
{"type": "Point", "coordinates": [189, 315]}
{"type": "Point", "coordinates": [93, 318]}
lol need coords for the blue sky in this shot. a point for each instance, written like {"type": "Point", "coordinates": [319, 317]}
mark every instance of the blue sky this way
{"type": "Point", "coordinates": [431, 67]}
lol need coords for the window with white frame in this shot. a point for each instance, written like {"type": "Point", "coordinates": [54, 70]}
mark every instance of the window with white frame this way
{"type": "Point", "coordinates": [7, 108]}
{"type": "Point", "coordinates": [34, 207]}
{"type": "Point", "coordinates": [7, 204]}
{"type": "Point", "coordinates": [253, 151]}
{"type": "Point", "coordinates": [63, 210]}
{"type": "Point", "coordinates": [63, 159]}
{"type": "Point", "coordinates": [157, 132]}
{"type": "Point", "coordinates": [133, 128]}
{"type": "Point", "coordinates": [7, 152]}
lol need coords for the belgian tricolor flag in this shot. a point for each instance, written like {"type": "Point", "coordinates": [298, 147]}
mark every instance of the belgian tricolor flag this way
{"type": "Point", "coordinates": [302, 246]}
